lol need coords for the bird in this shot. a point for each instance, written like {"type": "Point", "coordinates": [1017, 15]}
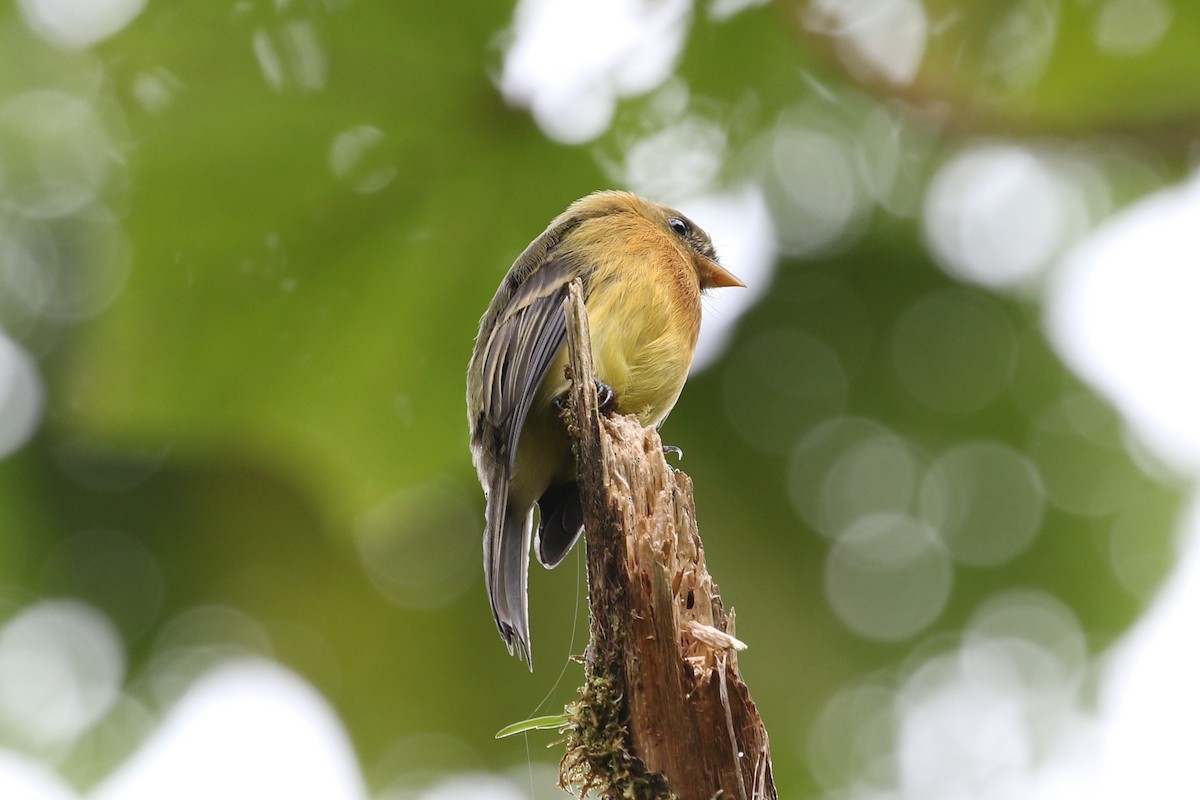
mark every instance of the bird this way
{"type": "Point", "coordinates": [642, 267]}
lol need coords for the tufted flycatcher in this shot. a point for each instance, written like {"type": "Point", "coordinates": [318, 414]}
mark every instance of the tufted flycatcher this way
{"type": "Point", "coordinates": [642, 266]}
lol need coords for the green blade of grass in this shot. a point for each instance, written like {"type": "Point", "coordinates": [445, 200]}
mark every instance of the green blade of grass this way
{"type": "Point", "coordinates": [535, 724]}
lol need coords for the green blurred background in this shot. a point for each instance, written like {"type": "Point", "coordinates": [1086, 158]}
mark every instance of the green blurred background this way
{"type": "Point", "coordinates": [246, 246]}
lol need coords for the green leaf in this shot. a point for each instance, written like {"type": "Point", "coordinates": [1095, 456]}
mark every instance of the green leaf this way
{"type": "Point", "coordinates": [535, 724]}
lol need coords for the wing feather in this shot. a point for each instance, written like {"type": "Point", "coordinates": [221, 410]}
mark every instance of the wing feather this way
{"type": "Point", "coordinates": [528, 335]}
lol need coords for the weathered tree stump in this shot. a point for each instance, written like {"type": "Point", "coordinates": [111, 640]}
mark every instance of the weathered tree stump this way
{"type": "Point", "coordinates": [664, 712]}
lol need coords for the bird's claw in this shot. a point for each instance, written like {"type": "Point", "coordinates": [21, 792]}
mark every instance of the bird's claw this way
{"type": "Point", "coordinates": [606, 399]}
{"type": "Point", "coordinates": [672, 450]}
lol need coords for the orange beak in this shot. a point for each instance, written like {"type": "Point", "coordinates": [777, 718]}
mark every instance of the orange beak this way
{"type": "Point", "coordinates": [714, 276]}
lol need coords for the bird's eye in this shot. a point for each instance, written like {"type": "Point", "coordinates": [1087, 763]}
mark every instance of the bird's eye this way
{"type": "Point", "coordinates": [679, 226]}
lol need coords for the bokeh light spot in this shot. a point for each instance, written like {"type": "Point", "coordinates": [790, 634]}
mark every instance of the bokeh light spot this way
{"type": "Point", "coordinates": [419, 545]}
{"type": "Point", "coordinates": [569, 62]}
{"type": "Point", "coordinates": [61, 667]}
{"type": "Point", "coordinates": [952, 730]}
{"type": "Point", "coordinates": [1051, 650]}
{"type": "Point", "coordinates": [681, 159]}
{"type": "Point", "coordinates": [1128, 27]}
{"type": "Point", "coordinates": [291, 55]}
{"type": "Point", "coordinates": [853, 737]}
{"type": "Point", "coordinates": [883, 38]}
{"type": "Point", "coordinates": [849, 467]}
{"type": "Point", "coordinates": [22, 396]}
{"type": "Point", "coordinates": [982, 720]}
{"type": "Point", "coordinates": [69, 268]}
{"type": "Point", "coordinates": [985, 500]}
{"type": "Point", "coordinates": [888, 162]}
{"type": "Point", "coordinates": [1020, 42]}
{"type": "Point", "coordinates": [870, 477]}
{"type": "Point", "coordinates": [812, 188]}
{"type": "Point", "coordinates": [1122, 312]}
{"type": "Point", "coordinates": [954, 351]}
{"type": "Point", "coordinates": [269, 60]}
{"type": "Point", "coordinates": [244, 730]}
{"type": "Point", "coordinates": [1077, 448]}
{"type": "Point", "coordinates": [1149, 698]}
{"type": "Point", "coordinates": [197, 640]}
{"type": "Point", "coordinates": [482, 786]}
{"type": "Point", "coordinates": [24, 778]}
{"type": "Point", "coordinates": [722, 10]}
{"type": "Point", "coordinates": [358, 158]}
{"type": "Point", "coordinates": [56, 153]}
{"type": "Point", "coordinates": [155, 89]}
{"type": "Point", "coordinates": [418, 761]}
{"type": "Point", "coordinates": [1140, 556]}
{"type": "Point", "coordinates": [779, 384]}
{"type": "Point", "coordinates": [997, 215]}
{"type": "Point", "coordinates": [79, 23]}
{"type": "Point", "coordinates": [887, 577]}
{"type": "Point", "coordinates": [994, 713]}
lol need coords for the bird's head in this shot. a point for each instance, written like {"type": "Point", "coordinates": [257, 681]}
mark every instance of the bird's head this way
{"type": "Point", "coordinates": [697, 247]}
{"type": "Point", "coordinates": [688, 237]}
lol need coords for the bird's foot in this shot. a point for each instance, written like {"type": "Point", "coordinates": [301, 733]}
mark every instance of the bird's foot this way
{"type": "Point", "coordinates": [672, 450]}
{"type": "Point", "coordinates": [606, 399]}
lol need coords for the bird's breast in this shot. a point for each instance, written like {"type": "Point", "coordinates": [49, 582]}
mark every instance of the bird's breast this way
{"type": "Point", "coordinates": [644, 330]}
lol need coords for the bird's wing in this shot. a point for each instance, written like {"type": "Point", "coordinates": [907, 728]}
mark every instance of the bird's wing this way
{"type": "Point", "coordinates": [528, 334]}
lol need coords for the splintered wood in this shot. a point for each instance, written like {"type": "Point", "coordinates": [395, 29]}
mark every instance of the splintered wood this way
{"type": "Point", "coordinates": [664, 712]}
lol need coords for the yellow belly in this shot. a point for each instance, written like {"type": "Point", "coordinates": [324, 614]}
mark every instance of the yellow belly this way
{"type": "Point", "coordinates": [641, 346]}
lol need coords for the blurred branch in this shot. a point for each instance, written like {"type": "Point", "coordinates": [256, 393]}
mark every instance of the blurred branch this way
{"type": "Point", "coordinates": [664, 712]}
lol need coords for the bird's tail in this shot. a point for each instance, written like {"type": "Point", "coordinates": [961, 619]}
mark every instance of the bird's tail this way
{"type": "Point", "coordinates": [561, 523]}
{"type": "Point", "coordinates": [506, 539]}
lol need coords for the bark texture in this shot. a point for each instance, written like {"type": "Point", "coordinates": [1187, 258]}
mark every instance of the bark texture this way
{"type": "Point", "coordinates": [664, 712]}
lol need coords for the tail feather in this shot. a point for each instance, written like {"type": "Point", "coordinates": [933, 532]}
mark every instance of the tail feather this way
{"type": "Point", "coordinates": [561, 523]}
{"type": "Point", "coordinates": [506, 542]}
